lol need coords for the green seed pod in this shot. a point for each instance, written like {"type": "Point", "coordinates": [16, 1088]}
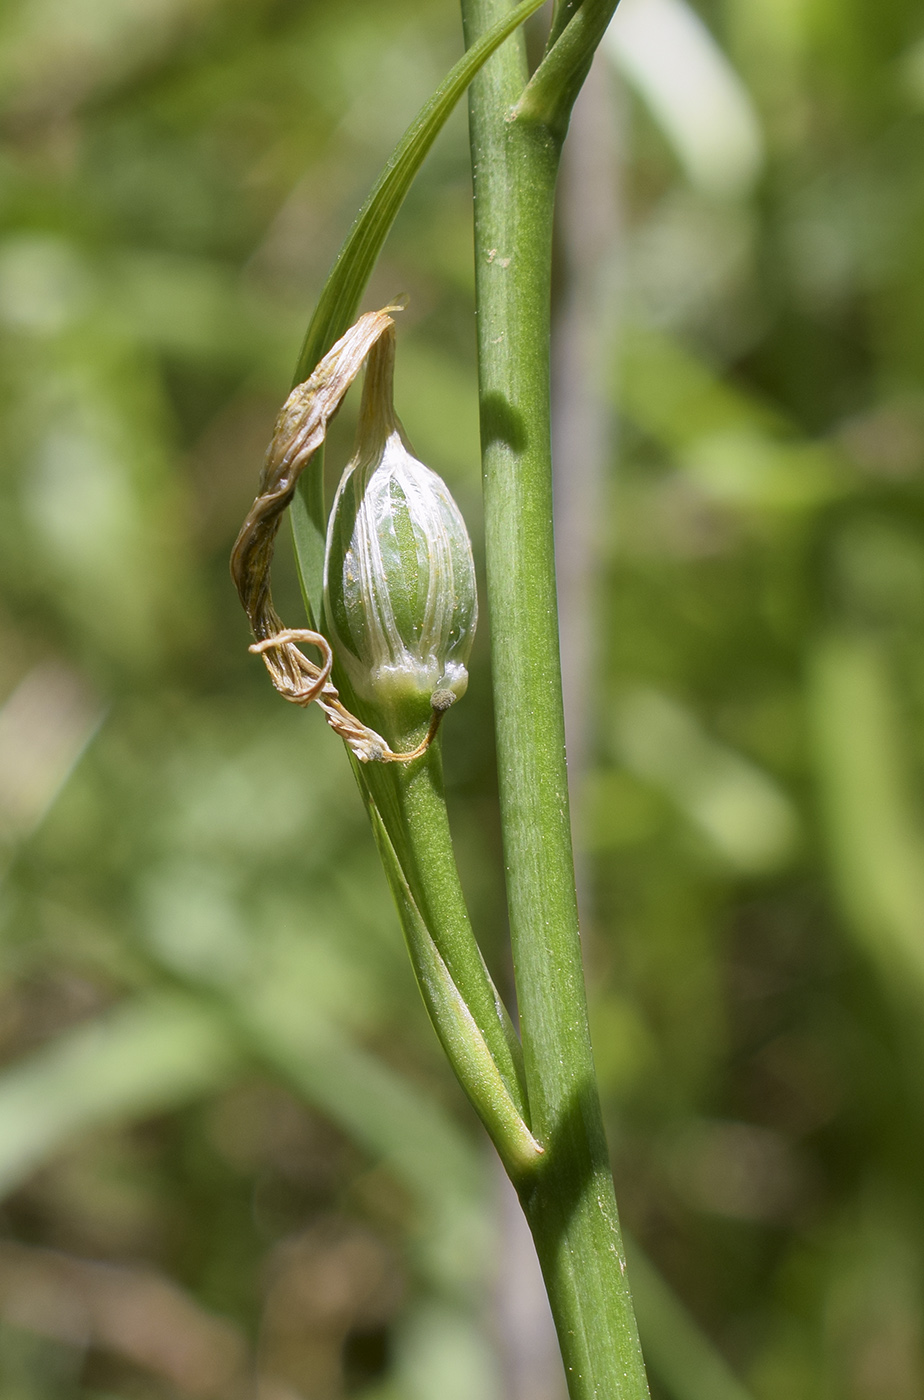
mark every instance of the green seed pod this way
{"type": "Point", "coordinates": [399, 579]}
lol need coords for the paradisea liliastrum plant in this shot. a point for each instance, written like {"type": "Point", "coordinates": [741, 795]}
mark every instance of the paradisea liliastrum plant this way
{"type": "Point", "coordinates": [389, 588]}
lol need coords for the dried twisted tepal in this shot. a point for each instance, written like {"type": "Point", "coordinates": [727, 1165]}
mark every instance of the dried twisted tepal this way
{"type": "Point", "coordinates": [400, 601]}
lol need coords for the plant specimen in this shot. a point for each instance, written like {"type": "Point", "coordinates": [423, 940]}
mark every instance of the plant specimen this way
{"type": "Point", "coordinates": [388, 585]}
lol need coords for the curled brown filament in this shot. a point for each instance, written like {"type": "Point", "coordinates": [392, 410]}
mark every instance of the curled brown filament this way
{"type": "Point", "coordinates": [315, 678]}
{"type": "Point", "coordinates": [298, 434]}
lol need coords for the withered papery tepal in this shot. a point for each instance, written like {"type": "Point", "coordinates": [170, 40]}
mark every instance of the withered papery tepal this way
{"type": "Point", "coordinates": [399, 581]}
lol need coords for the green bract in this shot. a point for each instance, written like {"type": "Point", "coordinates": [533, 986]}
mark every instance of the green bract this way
{"type": "Point", "coordinates": [399, 579]}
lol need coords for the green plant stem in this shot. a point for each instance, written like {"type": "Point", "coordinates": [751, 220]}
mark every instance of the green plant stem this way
{"type": "Point", "coordinates": [412, 807]}
{"type": "Point", "coordinates": [406, 806]}
{"type": "Point", "coordinates": [569, 1200]}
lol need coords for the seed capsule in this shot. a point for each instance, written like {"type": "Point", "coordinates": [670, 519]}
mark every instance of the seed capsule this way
{"type": "Point", "coordinates": [399, 588]}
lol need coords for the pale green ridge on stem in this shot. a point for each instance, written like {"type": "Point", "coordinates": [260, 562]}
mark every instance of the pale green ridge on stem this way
{"type": "Point", "coordinates": [569, 1200]}
{"type": "Point", "coordinates": [411, 806]}
{"type": "Point", "coordinates": [456, 1027]}
{"type": "Point", "coordinates": [339, 300]}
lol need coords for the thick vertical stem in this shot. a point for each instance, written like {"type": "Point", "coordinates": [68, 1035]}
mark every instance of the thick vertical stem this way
{"type": "Point", "coordinates": [569, 1202]}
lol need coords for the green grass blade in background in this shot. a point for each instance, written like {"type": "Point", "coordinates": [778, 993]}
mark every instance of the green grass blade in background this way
{"type": "Point", "coordinates": [874, 835]}
{"type": "Point", "coordinates": [676, 1350]}
{"type": "Point", "coordinates": [142, 1058]}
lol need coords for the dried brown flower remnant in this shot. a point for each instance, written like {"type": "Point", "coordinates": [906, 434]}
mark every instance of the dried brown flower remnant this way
{"type": "Point", "coordinates": [299, 433]}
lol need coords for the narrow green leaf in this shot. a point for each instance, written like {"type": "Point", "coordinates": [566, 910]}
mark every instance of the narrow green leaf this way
{"type": "Point", "coordinates": [339, 300]}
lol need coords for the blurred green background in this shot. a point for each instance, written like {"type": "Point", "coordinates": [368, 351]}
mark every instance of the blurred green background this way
{"type": "Point", "coordinates": [232, 1160]}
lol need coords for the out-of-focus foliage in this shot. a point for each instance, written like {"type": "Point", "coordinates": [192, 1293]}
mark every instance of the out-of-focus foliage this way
{"type": "Point", "coordinates": [228, 1144]}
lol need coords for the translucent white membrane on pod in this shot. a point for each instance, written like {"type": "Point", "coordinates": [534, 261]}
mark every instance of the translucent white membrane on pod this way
{"type": "Point", "coordinates": [399, 589]}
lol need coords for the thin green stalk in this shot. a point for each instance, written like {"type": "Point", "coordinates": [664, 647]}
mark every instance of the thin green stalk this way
{"type": "Point", "coordinates": [569, 1200]}
{"type": "Point", "coordinates": [412, 807]}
